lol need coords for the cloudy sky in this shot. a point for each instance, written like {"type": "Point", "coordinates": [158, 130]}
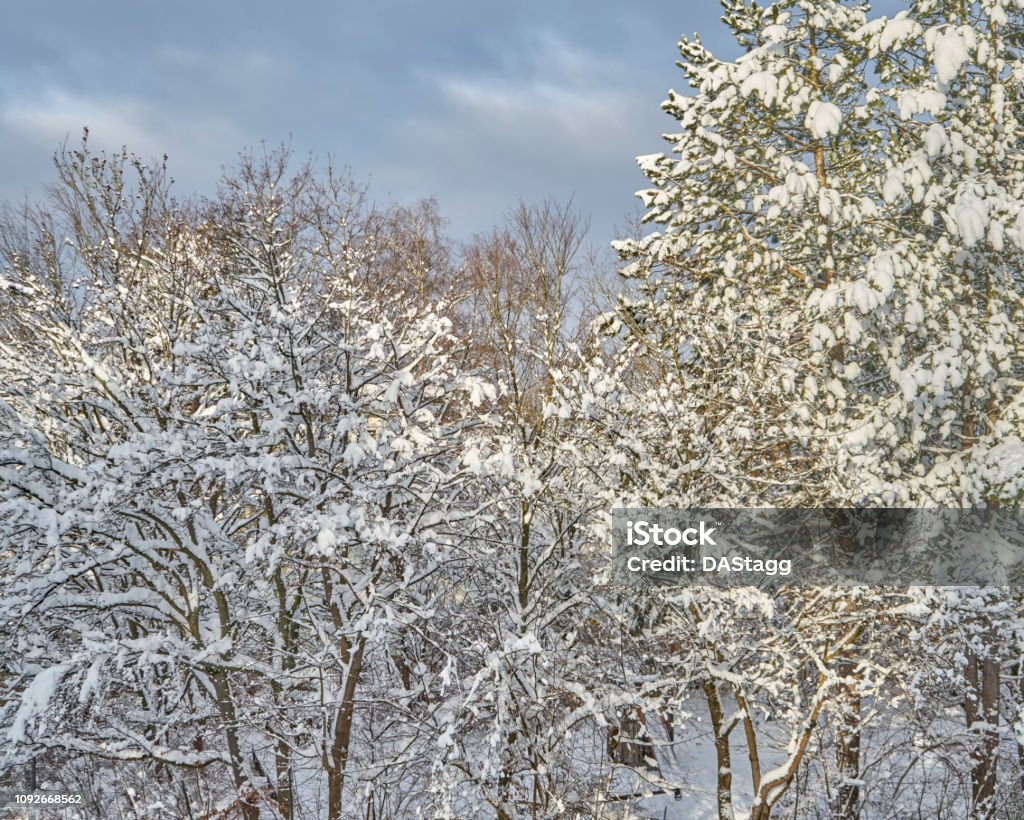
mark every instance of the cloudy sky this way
{"type": "Point", "coordinates": [478, 104]}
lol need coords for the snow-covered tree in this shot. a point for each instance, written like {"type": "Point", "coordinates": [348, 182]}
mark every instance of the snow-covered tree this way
{"type": "Point", "coordinates": [832, 288]}
{"type": "Point", "coordinates": [226, 465]}
{"type": "Point", "coordinates": [520, 718]}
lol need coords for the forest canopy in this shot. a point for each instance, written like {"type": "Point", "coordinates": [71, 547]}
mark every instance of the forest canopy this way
{"type": "Point", "coordinates": [305, 509]}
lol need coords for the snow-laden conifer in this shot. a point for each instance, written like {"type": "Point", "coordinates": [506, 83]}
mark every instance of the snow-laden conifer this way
{"type": "Point", "coordinates": [831, 295]}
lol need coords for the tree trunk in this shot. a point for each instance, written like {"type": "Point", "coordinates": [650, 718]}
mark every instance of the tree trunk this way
{"type": "Point", "coordinates": [287, 632]}
{"type": "Point", "coordinates": [282, 759]}
{"type": "Point", "coordinates": [343, 733]}
{"type": "Point", "coordinates": [506, 777]}
{"type": "Point", "coordinates": [1015, 671]}
{"type": "Point", "coordinates": [982, 710]}
{"type": "Point", "coordinates": [848, 747]}
{"type": "Point", "coordinates": [761, 811]}
{"type": "Point", "coordinates": [722, 752]}
{"type": "Point", "coordinates": [226, 708]}
{"type": "Point", "coordinates": [770, 791]}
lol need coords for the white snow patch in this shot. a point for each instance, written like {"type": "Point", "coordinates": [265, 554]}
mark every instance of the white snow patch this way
{"type": "Point", "coordinates": [823, 119]}
{"type": "Point", "coordinates": [949, 55]}
{"type": "Point", "coordinates": [935, 140]}
{"type": "Point", "coordinates": [35, 699]}
{"type": "Point", "coordinates": [970, 224]}
{"type": "Point", "coordinates": [897, 30]}
{"type": "Point", "coordinates": [764, 83]}
{"type": "Point", "coordinates": [916, 102]}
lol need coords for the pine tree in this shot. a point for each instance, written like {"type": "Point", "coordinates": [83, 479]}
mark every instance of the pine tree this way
{"type": "Point", "coordinates": [832, 289]}
{"type": "Point", "coordinates": [841, 237]}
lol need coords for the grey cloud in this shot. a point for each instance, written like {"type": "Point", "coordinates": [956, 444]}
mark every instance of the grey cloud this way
{"type": "Point", "coordinates": [477, 105]}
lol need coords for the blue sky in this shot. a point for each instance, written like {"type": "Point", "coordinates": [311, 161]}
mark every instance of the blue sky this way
{"type": "Point", "coordinates": [478, 104]}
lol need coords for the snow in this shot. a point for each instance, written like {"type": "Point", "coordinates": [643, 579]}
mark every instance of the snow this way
{"type": "Point", "coordinates": [763, 83]}
{"type": "Point", "coordinates": [970, 223]}
{"type": "Point", "coordinates": [862, 295]}
{"type": "Point", "coordinates": [8, 285]}
{"type": "Point", "coordinates": [325, 541]}
{"type": "Point", "coordinates": [921, 101]}
{"type": "Point", "coordinates": [949, 54]}
{"type": "Point", "coordinates": [897, 30]}
{"type": "Point", "coordinates": [935, 140]}
{"type": "Point", "coordinates": [823, 119]}
{"type": "Point", "coordinates": [34, 700]}
{"type": "Point", "coordinates": [92, 679]}
{"type": "Point", "coordinates": [893, 189]}
{"type": "Point", "coordinates": [297, 477]}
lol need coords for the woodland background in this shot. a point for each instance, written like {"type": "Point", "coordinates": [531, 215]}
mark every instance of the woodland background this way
{"type": "Point", "coordinates": [304, 509]}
